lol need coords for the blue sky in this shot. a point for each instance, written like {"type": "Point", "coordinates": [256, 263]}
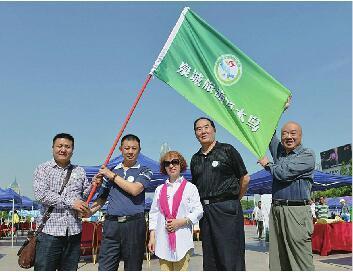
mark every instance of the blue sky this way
{"type": "Point", "coordinates": [77, 67]}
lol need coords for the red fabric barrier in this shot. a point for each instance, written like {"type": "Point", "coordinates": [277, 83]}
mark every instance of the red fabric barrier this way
{"type": "Point", "coordinates": [249, 222]}
{"type": "Point", "coordinates": [4, 230]}
{"type": "Point", "coordinates": [97, 240]}
{"type": "Point", "coordinates": [329, 237]}
{"type": "Point", "coordinates": [87, 238]}
{"type": "Point", "coordinates": [99, 235]}
{"type": "Point", "coordinates": [91, 239]}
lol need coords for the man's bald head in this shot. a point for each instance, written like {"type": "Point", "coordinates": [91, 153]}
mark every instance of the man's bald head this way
{"type": "Point", "coordinates": [291, 136]}
{"type": "Point", "coordinates": [295, 124]}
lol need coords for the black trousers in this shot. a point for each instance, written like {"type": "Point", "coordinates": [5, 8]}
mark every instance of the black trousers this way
{"type": "Point", "coordinates": [223, 237]}
{"type": "Point", "coordinates": [260, 228]}
{"type": "Point", "coordinates": [124, 241]}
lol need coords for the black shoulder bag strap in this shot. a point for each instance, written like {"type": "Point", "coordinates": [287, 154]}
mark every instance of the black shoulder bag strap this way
{"type": "Point", "coordinates": [51, 208]}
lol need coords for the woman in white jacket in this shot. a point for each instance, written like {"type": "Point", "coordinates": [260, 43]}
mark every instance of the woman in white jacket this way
{"type": "Point", "coordinates": [175, 208]}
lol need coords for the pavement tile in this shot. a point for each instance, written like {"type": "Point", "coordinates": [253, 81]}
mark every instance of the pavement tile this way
{"type": "Point", "coordinates": [256, 257]}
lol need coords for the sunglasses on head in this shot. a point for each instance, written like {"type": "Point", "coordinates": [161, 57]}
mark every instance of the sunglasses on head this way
{"type": "Point", "coordinates": [174, 162]}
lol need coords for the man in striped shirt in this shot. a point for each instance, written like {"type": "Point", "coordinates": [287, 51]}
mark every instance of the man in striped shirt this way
{"type": "Point", "coordinates": [321, 210]}
{"type": "Point", "coordinates": [58, 245]}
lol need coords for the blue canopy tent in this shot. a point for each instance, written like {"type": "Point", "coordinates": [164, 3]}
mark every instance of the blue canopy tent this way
{"type": "Point", "coordinates": [10, 200]}
{"type": "Point", "coordinates": [28, 204]}
{"type": "Point", "coordinates": [7, 197]}
{"type": "Point", "coordinates": [334, 202]}
{"type": "Point", "coordinates": [261, 182]}
{"type": "Point", "coordinates": [157, 177]}
{"type": "Point", "coordinates": [248, 211]}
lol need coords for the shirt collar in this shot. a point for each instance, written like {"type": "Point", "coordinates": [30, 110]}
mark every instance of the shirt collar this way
{"type": "Point", "coordinates": [295, 151]}
{"type": "Point", "coordinates": [298, 149]}
{"type": "Point", "coordinates": [136, 165]}
{"type": "Point", "coordinates": [213, 148]}
{"type": "Point", "coordinates": [179, 180]}
{"type": "Point", "coordinates": [53, 164]}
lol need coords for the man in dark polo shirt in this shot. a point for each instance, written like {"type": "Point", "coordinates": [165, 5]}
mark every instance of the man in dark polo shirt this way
{"type": "Point", "coordinates": [291, 224]}
{"type": "Point", "coordinates": [124, 230]}
{"type": "Point", "coordinates": [219, 173]}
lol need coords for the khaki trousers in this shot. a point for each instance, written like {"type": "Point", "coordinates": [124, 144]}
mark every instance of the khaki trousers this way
{"type": "Point", "coordinates": [181, 265]}
{"type": "Point", "coordinates": [290, 248]}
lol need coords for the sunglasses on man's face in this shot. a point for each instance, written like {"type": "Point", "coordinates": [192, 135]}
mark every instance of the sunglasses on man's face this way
{"type": "Point", "coordinates": [174, 162]}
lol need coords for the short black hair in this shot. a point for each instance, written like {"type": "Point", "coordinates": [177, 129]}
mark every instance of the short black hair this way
{"type": "Point", "coordinates": [205, 118]}
{"type": "Point", "coordinates": [130, 137]}
{"type": "Point", "coordinates": [65, 136]}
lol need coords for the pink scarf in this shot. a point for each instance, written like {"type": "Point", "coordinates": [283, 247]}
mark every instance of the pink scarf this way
{"type": "Point", "coordinates": [164, 207]}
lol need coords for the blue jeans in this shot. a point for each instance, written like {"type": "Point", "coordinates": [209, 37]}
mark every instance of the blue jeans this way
{"type": "Point", "coordinates": [57, 252]}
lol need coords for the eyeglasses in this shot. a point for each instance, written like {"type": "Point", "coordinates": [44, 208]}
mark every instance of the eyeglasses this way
{"type": "Point", "coordinates": [174, 162]}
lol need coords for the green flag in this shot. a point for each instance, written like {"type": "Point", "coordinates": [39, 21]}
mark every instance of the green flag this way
{"type": "Point", "coordinates": [218, 78]}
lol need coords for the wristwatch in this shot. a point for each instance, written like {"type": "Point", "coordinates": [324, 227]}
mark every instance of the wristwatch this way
{"type": "Point", "coordinates": [267, 166]}
{"type": "Point", "coordinates": [113, 179]}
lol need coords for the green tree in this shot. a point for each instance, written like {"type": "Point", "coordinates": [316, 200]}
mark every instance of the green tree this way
{"type": "Point", "coordinates": [334, 192]}
{"type": "Point", "coordinates": [247, 204]}
{"type": "Point", "coordinates": [346, 168]}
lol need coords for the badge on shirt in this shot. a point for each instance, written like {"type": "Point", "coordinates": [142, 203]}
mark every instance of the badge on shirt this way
{"type": "Point", "coordinates": [130, 179]}
{"type": "Point", "coordinates": [215, 163]}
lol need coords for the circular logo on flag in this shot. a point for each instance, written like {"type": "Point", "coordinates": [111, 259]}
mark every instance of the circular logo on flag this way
{"type": "Point", "coordinates": [228, 69]}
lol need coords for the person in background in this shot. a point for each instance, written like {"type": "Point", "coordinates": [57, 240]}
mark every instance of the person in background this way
{"type": "Point", "coordinates": [345, 215]}
{"type": "Point", "coordinates": [312, 207]}
{"type": "Point", "coordinates": [259, 217]}
{"type": "Point", "coordinates": [176, 207]}
{"type": "Point", "coordinates": [321, 210]}
{"type": "Point", "coordinates": [254, 213]}
{"type": "Point", "coordinates": [16, 220]}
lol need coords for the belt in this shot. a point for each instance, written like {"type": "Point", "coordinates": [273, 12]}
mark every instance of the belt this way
{"type": "Point", "coordinates": [284, 202]}
{"type": "Point", "coordinates": [218, 199]}
{"type": "Point", "coordinates": [124, 218]}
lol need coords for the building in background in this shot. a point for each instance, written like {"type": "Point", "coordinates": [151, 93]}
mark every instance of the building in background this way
{"type": "Point", "coordinates": [14, 186]}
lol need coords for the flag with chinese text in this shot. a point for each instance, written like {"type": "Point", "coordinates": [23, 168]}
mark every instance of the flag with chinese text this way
{"type": "Point", "coordinates": [218, 78]}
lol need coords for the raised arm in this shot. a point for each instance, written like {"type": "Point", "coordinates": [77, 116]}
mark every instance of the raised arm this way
{"type": "Point", "coordinates": [288, 170]}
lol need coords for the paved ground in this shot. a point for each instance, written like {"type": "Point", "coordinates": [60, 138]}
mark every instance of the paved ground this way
{"type": "Point", "coordinates": [256, 257]}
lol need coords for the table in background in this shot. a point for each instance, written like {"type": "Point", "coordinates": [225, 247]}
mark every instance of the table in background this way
{"type": "Point", "coordinates": [330, 237]}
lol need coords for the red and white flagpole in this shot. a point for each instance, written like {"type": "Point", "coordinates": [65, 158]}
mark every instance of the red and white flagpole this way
{"type": "Point", "coordinates": [154, 67]}
{"type": "Point", "coordinates": [94, 187]}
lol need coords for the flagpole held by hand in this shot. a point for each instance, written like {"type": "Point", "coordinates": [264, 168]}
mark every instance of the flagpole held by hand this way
{"type": "Point", "coordinates": [94, 186]}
